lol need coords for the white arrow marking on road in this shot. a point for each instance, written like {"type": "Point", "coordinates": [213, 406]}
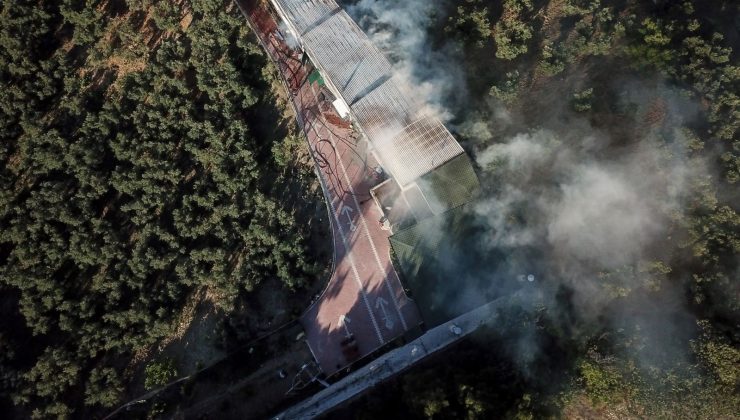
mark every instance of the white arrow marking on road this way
{"type": "Point", "coordinates": [343, 321]}
{"type": "Point", "coordinates": [381, 303]}
{"type": "Point", "coordinates": [347, 211]}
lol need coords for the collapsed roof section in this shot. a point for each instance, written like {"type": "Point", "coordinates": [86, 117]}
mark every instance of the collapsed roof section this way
{"type": "Point", "coordinates": [410, 142]}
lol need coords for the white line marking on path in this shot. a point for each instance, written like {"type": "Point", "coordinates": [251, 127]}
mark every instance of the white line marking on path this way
{"type": "Point", "coordinates": [381, 303]}
{"type": "Point", "coordinates": [343, 235]}
{"type": "Point", "coordinates": [362, 220]}
{"type": "Point", "coordinates": [347, 211]}
{"type": "Point", "coordinates": [343, 321]}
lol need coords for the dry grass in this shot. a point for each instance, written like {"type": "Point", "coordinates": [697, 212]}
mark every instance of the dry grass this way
{"type": "Point", "coordinates": [582, 408]}
{"type": "Point", "coordinates": [186, 21]}
{"type": "Point", "coordinates": [187, 315]}
{"type": "Point", "coordinates": [550, 30]}
{"type": "Point", "coordinates": [124, 66]}
{"type": "Point", "coordinates": [119, 61]}
{"type": "Point", "coordinates": [190, 338]}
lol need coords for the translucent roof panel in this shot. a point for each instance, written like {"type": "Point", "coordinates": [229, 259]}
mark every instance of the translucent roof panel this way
{"type": "Point", "coordinates": [409, 146]}
{"type": "Point", "coordinates": [383, 112]}
{"type": "Point", "coordinates": [417, 149]}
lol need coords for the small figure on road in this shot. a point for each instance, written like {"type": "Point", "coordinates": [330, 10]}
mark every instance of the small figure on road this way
{"type": "Point", "coordinates": [384, 223]}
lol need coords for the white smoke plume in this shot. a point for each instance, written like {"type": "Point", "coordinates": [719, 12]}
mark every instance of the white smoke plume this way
{"type": "Point", "coordinates": [591, 216]}
{"type": "Point", "coordinates": [399, 29]}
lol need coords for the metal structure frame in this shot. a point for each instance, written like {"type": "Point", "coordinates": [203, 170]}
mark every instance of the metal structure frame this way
{"type": "Point", "coordinates": [406, 138]}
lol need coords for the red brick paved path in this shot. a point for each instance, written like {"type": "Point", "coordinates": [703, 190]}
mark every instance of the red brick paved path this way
{"type": "Point", "coordinates": [364, 296]}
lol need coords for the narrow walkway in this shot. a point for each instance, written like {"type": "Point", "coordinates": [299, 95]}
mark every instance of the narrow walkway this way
{"type": "Point", "coordinates": [394, 362]}
{"type": "Point", "coordinates": [364, 298]}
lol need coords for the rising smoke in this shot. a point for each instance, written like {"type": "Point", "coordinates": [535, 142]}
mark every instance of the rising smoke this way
{"type": "Point", "coordinates": [591, 216]}
{"type": "Point", "coordinates": [592, 219]}
{"type": "Point", "coordinates": [400, 29]}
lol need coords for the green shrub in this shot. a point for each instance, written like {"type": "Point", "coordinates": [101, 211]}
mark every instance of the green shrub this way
{"type": "Point", "coordinates": [159, 373]}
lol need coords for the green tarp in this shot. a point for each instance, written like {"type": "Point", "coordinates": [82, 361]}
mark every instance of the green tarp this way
{"type": "Point", "coordinates": [315, 77]}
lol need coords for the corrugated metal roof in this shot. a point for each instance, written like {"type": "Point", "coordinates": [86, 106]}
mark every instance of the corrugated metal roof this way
{"type": "Point", "coordinates": [347, 55]}
{"type": "Point", "coordinates": [409, 142]}
{"type": "Point", "coordinates": [382, 113]}
{"type": "Point", "coordinates": [305, 13]}
{"type": "Point", "coordinates": [419, 148]}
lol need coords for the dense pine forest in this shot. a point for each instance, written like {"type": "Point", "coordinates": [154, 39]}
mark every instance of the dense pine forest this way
{"type": "Point", "coordinates": [144, 159]}
{"type": "Point", "coordinates": [148, 164]}
{"type": "Point", "coordinates": [606, 137]}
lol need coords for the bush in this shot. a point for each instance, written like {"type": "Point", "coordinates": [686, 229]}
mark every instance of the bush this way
{"type": "Point", "coordinates": [159, 373]}
{"type": "Point", "coordinates": [506, 91]}
{"type": "Point", "coordinates": [581, 101]}
{"type": "Point", "coordinates": [511, 32]}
